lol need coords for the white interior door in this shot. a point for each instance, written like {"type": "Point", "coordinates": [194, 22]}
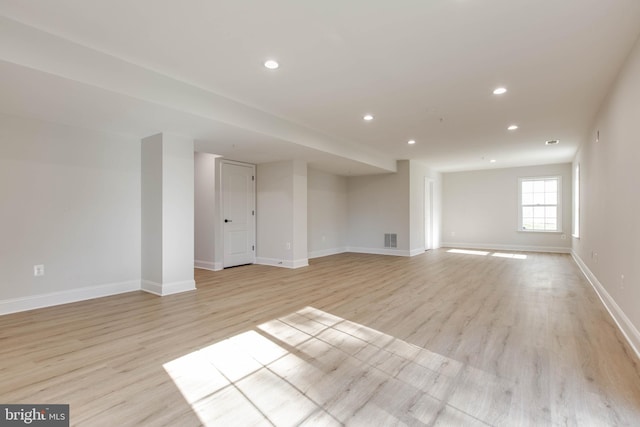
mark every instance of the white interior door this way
{"type": "Point", "coordinates": [238, 210]}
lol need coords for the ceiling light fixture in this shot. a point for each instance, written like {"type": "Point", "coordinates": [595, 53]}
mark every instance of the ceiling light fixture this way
{"type": "Point", "coordinates": [368, 117]}
{"type": "Point", "coordinates": [500, 91]}
{"type": "Point", "coordinates": [552, 142]}
{"type": "Point", "coordinates": [513, 127]}
{"type": "Point", "coordinates": [411, 141]}
{"type": "Point", "coordinates": [271, 64]}
{"type": "Point", "coordinates": [492, 161]}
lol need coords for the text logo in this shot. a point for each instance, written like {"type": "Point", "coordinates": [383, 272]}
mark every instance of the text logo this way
{"type": "Point", "coordinates": [34, 415]}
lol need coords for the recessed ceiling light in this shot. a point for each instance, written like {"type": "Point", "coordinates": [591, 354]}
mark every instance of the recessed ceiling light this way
{"type": "Point", "coordinates": [271, 64]}
{"type": "Point", "coordinates": [552, 142]}
{"type": "Point", "coordinates": [368, 117]}
{"type": "Point", "coordinates": [411, 142]}
{"type": "Point", "coordinates": [499, 91]}
{"type": "Point", "coordinates": [513, 127]}
{"type": "Point", "coordinates": [492, 161]}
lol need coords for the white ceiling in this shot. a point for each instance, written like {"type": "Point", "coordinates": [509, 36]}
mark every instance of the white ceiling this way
{"type": "Point", "coordinates": [424, 69]}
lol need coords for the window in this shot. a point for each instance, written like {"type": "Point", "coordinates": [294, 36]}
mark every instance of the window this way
{"type": "Point", "coordinates": [539, 207]}
{"type": "Point", "coordinates": [576, 202]}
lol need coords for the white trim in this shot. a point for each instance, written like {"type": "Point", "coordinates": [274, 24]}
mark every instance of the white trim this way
{"type": "Point", "coordinates": [372, 251]}
{"type": "Point", "coordinates": [303, 262]}
{"type": "Point", "coordinates": [622, 321]}
{"type": "Point", "coordinates": [327, 252]}
{"type": "Point", "coordinates": [380, 251]}
{"type": "Point", "coordinates": [207, 265]}
{"type": "Point", "coordinates": [151, 287]}
{"type": "Point", "coordinates": [499, 247]}
{"type": "Point", "coordinates": [168, 288]}
{"type": "Point", "coordinates": [16, 305]}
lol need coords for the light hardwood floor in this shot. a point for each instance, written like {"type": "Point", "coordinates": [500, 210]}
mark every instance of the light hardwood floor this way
{"type": "Point", "coordinates": [438, 339]}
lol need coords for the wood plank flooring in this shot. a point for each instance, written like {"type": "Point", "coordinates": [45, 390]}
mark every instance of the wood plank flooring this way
{"type": "Point", "coordinates": [438, 339]}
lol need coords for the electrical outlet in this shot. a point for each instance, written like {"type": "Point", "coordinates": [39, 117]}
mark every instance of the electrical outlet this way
{"type": "Point", "coordinates": [563, 236]}
{"type": "Point", "coordinates": [38, 270]}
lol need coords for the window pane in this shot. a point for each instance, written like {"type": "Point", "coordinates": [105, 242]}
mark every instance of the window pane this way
{"type": "Point", "coordinates": [538, 212]}
{"type": "Point", "coordinates": [551, 225]}
{"type": "Point", "coordinates": [538, 223]}
{"type": "Point", "coordinates": [527, 212]}
{"type": "Point", "coordinates": [538, 198]}
{"type": "Point", "coordinates": [551, 186]}
{"type": "Point", "coordinates": [551, 198]}
{"type": "Point", "coordinates": [527, 199]}
{"type": "Point", "coordinates": [550, 212]}
{"type": "Point", "coordinates": [527, 186]}
{"type": "Point", "coordinates": [527, 223]}
{"type": "Point", "coordinates": [538, 186]}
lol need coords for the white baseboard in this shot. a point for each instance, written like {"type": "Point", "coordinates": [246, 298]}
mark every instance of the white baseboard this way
{"type": "Point", "coordinates": [415, 252]}
{"type": "Point", "coordinates": [326, 252]}
{"type": "Point", "coordinates": [15, 305]}
{"type": "Point", "coordinates": [499, 247]}
{"type": "Point", "coordinates": [380, 251]}
{"type": "Point", "coordinates": [374, 251]}
{"type": "Point", "coordinates": [168, 288]}
{"type": "Point", "coordinates": [207, 265]}
{"type": "Point", "coordinates": [627, 328]}
{"type": "Point", "coordinates": [303, 262]}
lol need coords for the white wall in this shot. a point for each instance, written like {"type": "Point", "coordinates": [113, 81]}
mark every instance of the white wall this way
{"type": "Point", "coordinates": [70, 200]}
{"type": "Point", "coordinates": [379, 204]}
{"type": "Point", "coordinates": [281, 205]}
{"type": "Point", "coordinates": [480, 210]}
{"type": "Point", "coordinates": [609, 243]}
{"type": "Point", "coordinates": [392, 203]}
{"type": "Point", "coordinates": [151, 213]}
{"type": "Point", "coordinates": [177, 212]}
{"type": "Point", "coordinates": [327, 213]}
{"type": "Point", "coordinates": [205, 203]}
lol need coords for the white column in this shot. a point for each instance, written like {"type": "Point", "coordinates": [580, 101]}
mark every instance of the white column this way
{"type": "Point", "coordinates": [167, 214]}
{"type": "Point", "coordinates": [299, 247]}
{"type": "Point", "coordinates": [282, 214]}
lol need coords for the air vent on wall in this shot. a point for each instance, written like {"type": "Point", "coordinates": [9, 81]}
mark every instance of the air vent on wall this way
{"type": "Point", "coordinates": [390, 240]}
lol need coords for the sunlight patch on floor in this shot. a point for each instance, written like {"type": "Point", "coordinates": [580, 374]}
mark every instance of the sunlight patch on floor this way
{"type": "Point", "coordinates": [485, 253]}
{"type": "Point", "coordinates": [513, 256]}
{"type": "Point", "coordinates": [468, 252]}
{"type": "Point", "coordinates": [311, 367]}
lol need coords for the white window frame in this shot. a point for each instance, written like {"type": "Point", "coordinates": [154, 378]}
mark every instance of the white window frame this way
{"type": "Point", "coordinates": [558, 205]}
